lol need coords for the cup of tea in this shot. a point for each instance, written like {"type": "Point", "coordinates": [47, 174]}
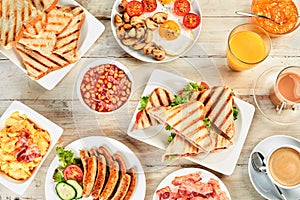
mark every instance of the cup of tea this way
{"type": "Point", "coordinates": [285, 94]}
{"type": "Point", "coordinates": [248, 45]}
{"type": "Point", "coordinates": [283, 166]}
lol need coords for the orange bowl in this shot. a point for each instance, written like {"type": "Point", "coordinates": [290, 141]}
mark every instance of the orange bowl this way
{"type": "Point", "coordinates": [284, 13]}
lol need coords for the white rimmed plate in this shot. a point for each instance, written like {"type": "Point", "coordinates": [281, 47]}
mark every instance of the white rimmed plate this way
{"type": "Point", "coordinates": [260, 181]}
{"type": "Point", "coordinates": [54, 130]}
{"type": "Point", "coordinates": [90, 32]}
{"type": "Point", "coordinates": [223, 161]}
{"type": "Point", "coordinates": [185, 33]}
{"type": "Point", "coordinates": [205, 175]}
{"type": "Point", "coordinates": [97, 62]}
{"type": "Point", "coordinates": [113, 146]}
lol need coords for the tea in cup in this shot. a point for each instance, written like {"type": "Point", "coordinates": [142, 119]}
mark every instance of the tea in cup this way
{"type": "Point", "coordinates": [285, 94]}
{"type": "Point", "coordinates": [248, 45]}
{"type": "Point", "coordinates": [283, 166]}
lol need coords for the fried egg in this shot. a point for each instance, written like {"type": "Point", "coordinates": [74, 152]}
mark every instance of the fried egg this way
{"type": "Point", "coordinates": [172, 35]}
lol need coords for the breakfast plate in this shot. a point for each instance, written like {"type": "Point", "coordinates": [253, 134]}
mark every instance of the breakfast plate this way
{"type": "Point", "coordinates": [205, 175]}
{"type": "Point", "coordinates": [222, 161]}
{"type": "Point", "coordinates": [260, 181]}
{"type": "Point", "coordinates": [54, 130]}
{"type": "Point", "coordinates": [174, 48]}
{"type": "Point", "coordinates": [113, 146]}
{"type": "Point", "coordinates": [90, 32]}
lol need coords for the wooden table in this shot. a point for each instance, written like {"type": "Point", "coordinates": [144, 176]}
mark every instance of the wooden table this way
{"type": "Point", "coordinates": [61, 104]}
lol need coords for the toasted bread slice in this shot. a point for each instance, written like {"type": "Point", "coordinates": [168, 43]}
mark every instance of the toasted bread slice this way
{"type": "Point", "coordinates": [37, 64]}
{"type": "Point", "coordinates": [44, 5]}
{"type": "Point", "coordinates": [57, 21]}
{"type": "Point", "coordinates": [35, 27]}
{"type": "Point", "coordinates": [67, 40]}
{"type": "Point", "coordinates": [14, 14]}
{"type": "Point", "coordinates": [44, 42]}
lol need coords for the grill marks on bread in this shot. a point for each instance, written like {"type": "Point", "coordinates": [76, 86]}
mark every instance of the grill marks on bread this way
{"type": "Point", "coordinates": [159, 97]}
{"type": "Point", "coordinates": [53, 41]}
{"type": "Point", "coordinates": [14, 14]}
{"type": "Point", "coordinates": [218, 102]}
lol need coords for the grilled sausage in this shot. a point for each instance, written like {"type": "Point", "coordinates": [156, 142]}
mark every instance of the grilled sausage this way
{"type": "Point", "coordinates": [88, 182]}
{"type": "Point", "coordinates": [131, 188]}
{"type": "Point", "coordinates": [100, 179]}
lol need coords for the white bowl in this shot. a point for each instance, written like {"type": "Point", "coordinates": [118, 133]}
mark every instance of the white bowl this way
{"type": "Point", "coordinates": [95, 63]}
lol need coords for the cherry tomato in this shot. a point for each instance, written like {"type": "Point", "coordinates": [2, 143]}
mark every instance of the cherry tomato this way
{"type": "Point", "coordinates": [134, 8]}
{"type": "Point", "coordinates": [191, 20]}
{"type": "Point", "coordinates": [182, 7]}
{"type": "Point", "coordinates": [203, 86]}
{"type": "Point", "coordinates": [73, 172]}
{"type": "Point", "coordinates": [149, 5]}
{"type": "Point", "coordinates": [138, 115]}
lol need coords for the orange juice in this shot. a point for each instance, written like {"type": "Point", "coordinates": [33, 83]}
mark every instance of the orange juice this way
{"type": "Point", "coordinates": [246, 48]}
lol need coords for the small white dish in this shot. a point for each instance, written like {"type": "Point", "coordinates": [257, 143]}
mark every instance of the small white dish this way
{"type": "Point", "coordinates": [222, 161]}
{"type": "Point", "coordinates": [205, 175]}
{"type": "Point", "coordinates": [89, 33]}
{"type": "Point", "coordinates": [54, 130]}
{"type": "Point", "coordinates": [113, 146]}
{"type": "Point", "coordinates": [97, 62]}
{"type": "Point", "coordinates": [195, 8]}
{"type": "Point", "coordinates": [260, 181]}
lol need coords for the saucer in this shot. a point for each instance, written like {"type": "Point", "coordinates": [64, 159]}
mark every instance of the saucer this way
{"type": "Point", "coordinates": [260, 181]}
{"type": "Point", "coordinates": [261, 92]}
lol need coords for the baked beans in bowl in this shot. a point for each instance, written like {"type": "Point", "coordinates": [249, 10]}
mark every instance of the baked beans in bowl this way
{"type": "Point", "coordinates": [104, 86]}
{"type": "Point", "coordinates": [285, 14]}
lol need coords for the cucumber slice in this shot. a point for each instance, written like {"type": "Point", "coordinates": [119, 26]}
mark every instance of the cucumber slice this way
{"type": "Point", "coordinates": [65, 191]}
{"type": "Point", "coordinates": [77, 187]}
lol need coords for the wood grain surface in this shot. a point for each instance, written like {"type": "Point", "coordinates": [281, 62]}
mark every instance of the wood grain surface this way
{"type": "Point", "coordinates": [207, 60]}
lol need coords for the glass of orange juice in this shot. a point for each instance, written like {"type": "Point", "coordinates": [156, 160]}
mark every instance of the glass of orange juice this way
{"type": "Point", "coordinates": [248, 45]}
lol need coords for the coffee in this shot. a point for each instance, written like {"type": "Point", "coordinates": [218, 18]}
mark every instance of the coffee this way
{"type": "Point", "coordinates": [289, 86]}
{"type": "Point", "coordinates": [284, 166]}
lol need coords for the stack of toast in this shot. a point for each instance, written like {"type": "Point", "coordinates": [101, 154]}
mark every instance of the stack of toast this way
{"type": "Point", "coordinates": [44, 34]}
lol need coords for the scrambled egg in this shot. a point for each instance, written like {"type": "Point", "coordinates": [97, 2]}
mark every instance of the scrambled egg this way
{"type": "Point", "coordinates": [22, 146]}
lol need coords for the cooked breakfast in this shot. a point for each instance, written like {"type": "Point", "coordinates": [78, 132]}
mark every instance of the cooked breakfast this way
{"type": "Point", "coordinates": [22, 146]}
{"type": "Point", "coordinates": [201, 119]}
{"type": "Point", "coordinates": [98, 174]}
{"type": "Point", "coordinates": [192, 186]}
{"type": "Point", "coordinates": [156, 28]}
{"type": "Point", "coordinates": [46, 39]}
{"type": "Point", "coordinates": [105, 88]}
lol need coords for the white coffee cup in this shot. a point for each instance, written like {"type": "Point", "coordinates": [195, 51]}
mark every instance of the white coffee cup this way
{"type": "Point", "coordinates": [283, 166]}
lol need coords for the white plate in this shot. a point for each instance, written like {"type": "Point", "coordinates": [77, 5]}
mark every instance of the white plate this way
{"type": "Point", "coordinates": [222, 161]}
{"type": "Point", "coordinates": [113, 146]}
{"type": "Point", "coordinates": [205, 175]}
{"type": "Point", "coordinates": [195, 8]}
{"type": "Point", "coordinates": [260, 181]}
{"type": "Point", "coordinates": [54, 130]}
{"type": "Point", "coordinates": [90, 32]}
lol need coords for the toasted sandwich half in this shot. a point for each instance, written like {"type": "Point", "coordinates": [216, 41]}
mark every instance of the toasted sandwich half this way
{"type": "Point", "coordinates": [159, 97]}
{"type": "Point", "coordinates": [14, 14]}
{"type": "Point", "coordinates": [218, 102]}
{"type": "Point", "coordinates": [187, 121]}
{"type": "Point", "coordinates": [180, 147]}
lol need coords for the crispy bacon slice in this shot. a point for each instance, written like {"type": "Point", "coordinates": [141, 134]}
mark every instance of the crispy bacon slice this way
{"type": "Point", "coordinates": [194, 177]}
{"type": "Point", "coordinates": [165, 193]}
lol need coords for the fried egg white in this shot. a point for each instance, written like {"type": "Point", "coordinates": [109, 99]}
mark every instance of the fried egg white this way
{"type": "Point", "coordinates": [173, 45]}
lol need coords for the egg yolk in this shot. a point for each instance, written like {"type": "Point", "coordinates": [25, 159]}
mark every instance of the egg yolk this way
{"type": "Point", "coordinates": [166, 1]}
{"type": "Point", "coordinates": [169, 30]}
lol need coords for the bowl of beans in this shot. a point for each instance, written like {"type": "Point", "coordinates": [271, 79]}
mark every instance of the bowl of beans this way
{"type": "Point", "coordinates": [284, 15]}
{"type": "Point", "coordinates": [104, 86]}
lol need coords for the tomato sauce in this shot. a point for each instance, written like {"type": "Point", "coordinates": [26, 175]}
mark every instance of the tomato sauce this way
{"type": "Point", "coordinates": [284, 12]}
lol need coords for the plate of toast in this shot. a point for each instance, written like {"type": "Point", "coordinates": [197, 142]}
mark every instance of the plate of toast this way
{"type": "Point", "coordinates": [121, 163]}
{"type": "Point", "coordinates": [208, 125]}
{"type": "Point", "coordinates": [47, 39]}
